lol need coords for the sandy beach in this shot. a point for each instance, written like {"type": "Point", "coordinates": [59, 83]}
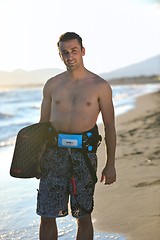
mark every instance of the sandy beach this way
{"type": "Point", "coordinates": [131, 206]}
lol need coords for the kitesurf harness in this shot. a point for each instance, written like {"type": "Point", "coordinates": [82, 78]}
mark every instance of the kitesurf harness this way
{"type": "Point", "coordinates": [86, 142]}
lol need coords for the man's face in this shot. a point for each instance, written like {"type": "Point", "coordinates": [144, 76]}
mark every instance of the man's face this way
{"type": "Point", "coordinates": [71, 53]}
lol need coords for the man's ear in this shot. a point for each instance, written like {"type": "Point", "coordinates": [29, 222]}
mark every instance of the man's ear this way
{"type": "Point", "coordinates": [83, 51]}
{"type": "Point", "coordinates": [60, 56]}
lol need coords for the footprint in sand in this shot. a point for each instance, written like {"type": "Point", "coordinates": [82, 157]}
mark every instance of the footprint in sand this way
{"type": "Point", "coordinates": [154, 155]}
{"type": "Point", "coordinates": [145, 184]}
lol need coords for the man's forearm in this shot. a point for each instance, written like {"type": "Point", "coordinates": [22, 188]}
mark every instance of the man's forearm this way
{"type": "Point", "coordinates": [110, 140]}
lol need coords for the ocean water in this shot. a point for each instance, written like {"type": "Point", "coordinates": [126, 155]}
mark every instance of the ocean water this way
{"type": "Point", "coordinates": [19, 108]}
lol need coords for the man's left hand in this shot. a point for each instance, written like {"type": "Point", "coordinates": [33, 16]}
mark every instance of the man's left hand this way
{"type": "Point", "coordinates": [108, 175]}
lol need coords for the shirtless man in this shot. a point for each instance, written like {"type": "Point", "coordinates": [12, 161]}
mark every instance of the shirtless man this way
{"type": "Point", "coordinates": [72, 102]}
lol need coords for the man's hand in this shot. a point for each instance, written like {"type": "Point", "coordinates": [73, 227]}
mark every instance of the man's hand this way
{"type": "Point", "coordinates": [108, 175]}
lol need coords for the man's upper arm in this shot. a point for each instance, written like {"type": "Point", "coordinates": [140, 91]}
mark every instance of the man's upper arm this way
{"type": "Point", "coordinates": [106, 104]}
{"type": "Point", "coordinates": [46, 104]}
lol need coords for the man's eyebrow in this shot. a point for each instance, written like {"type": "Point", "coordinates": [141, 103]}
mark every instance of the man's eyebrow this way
{"type": "Point", "coordinates": [74, 48]}
{"type": "Point", "coordinates": [65, 50]}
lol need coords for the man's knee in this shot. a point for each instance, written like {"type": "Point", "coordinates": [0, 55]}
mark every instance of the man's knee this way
{"type": "Point", "coordinates": [84, 221]}
{"type": "Point", "coordinates": [47, 222]}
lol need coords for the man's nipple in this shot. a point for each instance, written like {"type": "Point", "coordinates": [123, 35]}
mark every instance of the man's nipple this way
{"type": "Point", "coordinates": [89, 103]}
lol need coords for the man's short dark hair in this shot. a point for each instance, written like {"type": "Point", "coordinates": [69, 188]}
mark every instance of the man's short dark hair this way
{"type": "Point", "coordinates": [68, 36]}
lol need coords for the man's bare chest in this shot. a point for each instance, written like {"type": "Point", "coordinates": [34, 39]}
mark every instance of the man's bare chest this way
{"type": "Point", "coordinates": [74, 97]}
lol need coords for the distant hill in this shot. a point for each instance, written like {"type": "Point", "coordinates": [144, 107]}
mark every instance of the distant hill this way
{"type": "Point", "coordinates": [144, 69]}
{"type": "Point", "coordinates": [148, 67]}
{"type": "Point", "coordinates": [22, 78]}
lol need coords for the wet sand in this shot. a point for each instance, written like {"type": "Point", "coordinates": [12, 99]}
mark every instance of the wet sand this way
{"type": "Point", "coordinates": [131, 206]}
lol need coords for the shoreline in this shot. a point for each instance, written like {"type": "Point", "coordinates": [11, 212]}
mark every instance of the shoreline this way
{"type": "Point", "coordinates": [135, 80]}
{"type": "Point", "coordinates": [115, 81]}
{"type": "Point", "coordinates": [131, 205]}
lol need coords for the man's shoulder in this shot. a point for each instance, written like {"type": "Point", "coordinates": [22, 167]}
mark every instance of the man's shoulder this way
{"type": "Point", "coordinates": [101, 85]}
{"type": "Point", "coordinates": [100, 81]}
{"type": "Point", "coordinates": [54, 79]}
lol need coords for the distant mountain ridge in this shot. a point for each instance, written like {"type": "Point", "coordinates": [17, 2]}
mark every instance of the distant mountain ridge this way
{"type": "Point", "coordinates": [19, 77]}
{"type": "Point", "coordinates": [22, 78]}
{"type": "Point", "coordinates": [148, 67]}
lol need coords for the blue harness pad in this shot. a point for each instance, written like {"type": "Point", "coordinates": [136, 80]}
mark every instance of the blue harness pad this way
{"type": "Point", "coordinates": [70, 140]}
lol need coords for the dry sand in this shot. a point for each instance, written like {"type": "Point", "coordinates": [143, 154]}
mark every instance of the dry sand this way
{"type": "Point", "coordinates": [131, 206]}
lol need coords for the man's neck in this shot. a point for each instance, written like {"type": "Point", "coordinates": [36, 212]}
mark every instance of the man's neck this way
{"type": "Point", "coordinates": [76, 74]}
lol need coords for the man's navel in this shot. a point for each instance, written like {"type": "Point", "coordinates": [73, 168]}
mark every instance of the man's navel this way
{"type": "Point", "coordinates": [57, 102]}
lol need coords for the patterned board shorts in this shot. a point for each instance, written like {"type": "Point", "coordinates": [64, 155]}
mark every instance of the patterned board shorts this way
{"type": "Point", "coordinates": [56, 187]}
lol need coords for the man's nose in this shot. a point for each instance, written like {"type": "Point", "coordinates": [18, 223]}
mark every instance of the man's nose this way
{"type": "Point", "coordinates": [70, 55]}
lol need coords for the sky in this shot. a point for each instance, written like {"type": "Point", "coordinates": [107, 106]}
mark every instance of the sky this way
{"type": "Point", "coordinates": [115, 33]}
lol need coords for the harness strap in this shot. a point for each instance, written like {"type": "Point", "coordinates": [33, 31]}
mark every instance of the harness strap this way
{"type": "Point", "coordinates": [74, 188]}
{"type": "Point", "coordinates": [90, 167]}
